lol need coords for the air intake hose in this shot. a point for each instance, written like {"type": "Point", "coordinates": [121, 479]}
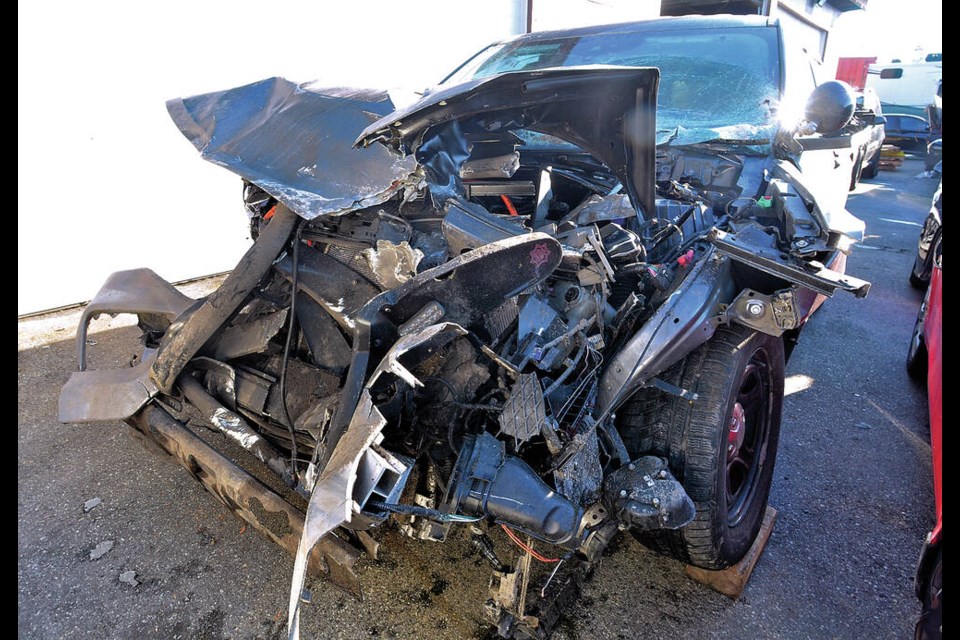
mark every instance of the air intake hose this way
{"type": "Point", "coordinates": [488, 482]}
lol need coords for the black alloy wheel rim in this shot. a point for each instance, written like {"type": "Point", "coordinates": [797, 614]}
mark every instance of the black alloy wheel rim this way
{"type": "Point", "coordinates": [748, 428]}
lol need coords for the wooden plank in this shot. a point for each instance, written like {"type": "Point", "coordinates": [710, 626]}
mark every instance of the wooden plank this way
{"type": "Point", "coordinates": [733, 580]}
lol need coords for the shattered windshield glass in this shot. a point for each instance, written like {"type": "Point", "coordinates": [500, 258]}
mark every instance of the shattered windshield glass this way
{"type": "Point", "coordinates": [716, 84]}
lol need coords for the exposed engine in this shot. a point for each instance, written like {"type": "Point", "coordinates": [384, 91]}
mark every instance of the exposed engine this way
{"type": "Point", "coordinates": [447, 339]}
{"type": "Point", "coordinates": [497, 422]}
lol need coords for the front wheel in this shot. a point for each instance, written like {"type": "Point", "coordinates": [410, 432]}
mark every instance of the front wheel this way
{"type": "Point", "coordinates": [873, 167]}
{"type": "Point", "coordinates": [856, 172]}
{"type": "Point", "coordinates": [721, 447]}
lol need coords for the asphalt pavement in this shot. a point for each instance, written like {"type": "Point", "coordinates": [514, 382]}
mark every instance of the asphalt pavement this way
{"type": "Point", "coordinates": [852, 487]}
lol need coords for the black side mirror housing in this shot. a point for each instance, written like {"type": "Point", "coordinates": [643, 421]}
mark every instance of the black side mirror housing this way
{"type": "Point", "coordinates": [830, 107]}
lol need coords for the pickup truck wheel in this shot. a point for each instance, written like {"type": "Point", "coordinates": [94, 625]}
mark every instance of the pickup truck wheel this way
{"type": "Point", "coordinates": [857, 171]}
{"type": "Point", "coordinates": [722, 446]}
{"type": "Point", "coordinates": [870, 171]}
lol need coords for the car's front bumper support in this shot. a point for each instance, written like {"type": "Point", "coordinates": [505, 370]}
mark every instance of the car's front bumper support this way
{"type": "Point", "coordinates": [248, 498]}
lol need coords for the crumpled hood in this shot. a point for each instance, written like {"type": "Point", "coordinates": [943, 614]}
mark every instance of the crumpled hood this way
{"type": "Point", "coordinates": [299, 142]}
{"type": "Point", "coordinates": [296, 142]}
{"type": "Point", "coordinates": [608, 111]}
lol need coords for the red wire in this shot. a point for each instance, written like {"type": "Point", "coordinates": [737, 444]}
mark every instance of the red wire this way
{"type": "Point", "coordinates": [523, 546]}
{"type": "Point", "coordinates": [506, 200]}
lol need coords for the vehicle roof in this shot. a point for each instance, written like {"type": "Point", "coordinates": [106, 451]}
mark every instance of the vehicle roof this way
{"type": "Point", "coordinates": [657, 24]}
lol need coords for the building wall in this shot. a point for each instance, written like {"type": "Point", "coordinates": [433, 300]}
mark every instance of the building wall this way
{"type": "Point", "coordinates": [106, 182]}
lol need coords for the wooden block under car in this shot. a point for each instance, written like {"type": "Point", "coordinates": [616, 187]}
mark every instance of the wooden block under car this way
{"type": "Point", "coordinates": [732, 580]}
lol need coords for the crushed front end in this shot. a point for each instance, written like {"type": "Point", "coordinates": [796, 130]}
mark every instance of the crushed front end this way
{"type": "Point", "coordinates": [435, 328]}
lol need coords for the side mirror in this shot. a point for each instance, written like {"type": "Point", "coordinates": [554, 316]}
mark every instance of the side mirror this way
{"type": "Point", "coordinates": [830, 106]}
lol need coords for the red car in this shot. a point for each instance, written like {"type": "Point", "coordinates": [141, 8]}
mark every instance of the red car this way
{"type": "Point", "coordinates": [924, 360]}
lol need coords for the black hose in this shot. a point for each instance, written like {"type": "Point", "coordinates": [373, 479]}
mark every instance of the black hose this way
{"type": "Point", "coordinates": [291, 325]}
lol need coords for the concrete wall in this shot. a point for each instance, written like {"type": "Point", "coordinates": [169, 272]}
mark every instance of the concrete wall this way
{"type": "Point", "coordinates": [106, 182]}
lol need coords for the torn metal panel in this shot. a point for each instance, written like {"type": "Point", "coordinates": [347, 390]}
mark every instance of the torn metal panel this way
{"type": "Point", "coordinates": [315, 419]}
{"type": "Point", "coordinates": [138, 291]}
{"type": "Point", "coordinates": [462, 286]}
{"type": "Point", "coordinates": [295, 141]}
{"type": "Point", "coordinates": [602, 209]}
{"type": "Point", "coordinates": [431, 313]}
{"type": "Point", "coordinates": [442, 155]}
{"type": "Point", "coordinates": [502, 166]}
{"type": "Point", "coordinates": [836, 219]}
{"type": "Point", "coordinates": [340, 290]}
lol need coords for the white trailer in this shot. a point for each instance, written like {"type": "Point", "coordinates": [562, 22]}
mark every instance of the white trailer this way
{"type": "Point", "coordinates": [906, 87]}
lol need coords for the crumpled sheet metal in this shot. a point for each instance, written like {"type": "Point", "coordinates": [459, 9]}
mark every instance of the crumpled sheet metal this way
{"type": "Point", "coordinates": [296, 142]}
{"type": "Point", "coordinates": [138, 291]}
{"type": "Point", "coordinates": [107, 394]}
{"type": "Point", "coordinates": [331, 503]}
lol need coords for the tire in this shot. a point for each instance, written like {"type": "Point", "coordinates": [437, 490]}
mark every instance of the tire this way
{"type": "Point", "coordinates": [870, 171]}
{"type": "Point", "coordinates": [917, 353]}
{"type": "Point", "coordinates": [857, 172]}
{"type": "Point", "coordinates": [921, 271]}
{"type": "Point", "coordinates": [923, 267]}
{"type": "Point", "coordinates": [930, 624]}
{"type": "Point", "coordinates": [738, 376]}
{"type": "Point", "coordinates": [918, 282]}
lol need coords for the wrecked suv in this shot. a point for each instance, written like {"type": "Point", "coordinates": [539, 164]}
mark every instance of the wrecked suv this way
{"type": "Point", "coordinates": [537, 307]}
